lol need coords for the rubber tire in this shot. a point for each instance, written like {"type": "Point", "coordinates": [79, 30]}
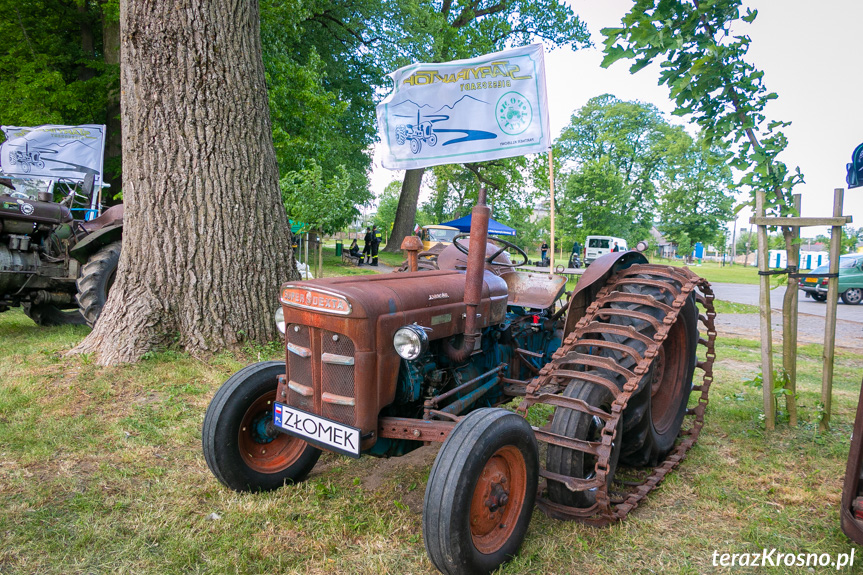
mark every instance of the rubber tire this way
{"type": "Point", "coordinates": [220, 435]}
{"type": "Point", "coordinates": [579, 425]}
{"type": "Point", "coordinates": [97, 277]}
{"type": "Point", "coordinates": [416, 146]}
{"type": "Point", "coordinates": [48, 315]}
{"type": "Point", "coordinates": [643, 444]}
{"type": "Point", "coordinates": [819, 297]}
{"type": "Point", "coordinates": [432, 140]}
{"type": "Point", "coordinates": [453, 479]}
{"type": "Point", "coordinates": [400, 135]}
{"type": "Point", "coordinates": [855, 298]}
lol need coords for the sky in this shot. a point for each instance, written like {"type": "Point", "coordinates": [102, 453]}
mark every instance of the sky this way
{"type": "Point", "coordinates": [811, 57]}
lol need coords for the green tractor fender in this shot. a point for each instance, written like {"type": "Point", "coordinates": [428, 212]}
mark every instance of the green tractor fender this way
{"type": "Point", "coordinates": [95, 241]}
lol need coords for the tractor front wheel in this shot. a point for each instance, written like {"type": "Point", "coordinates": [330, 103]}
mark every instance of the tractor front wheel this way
{"type": "Point", "coordinates": [480, 493]}
{"type": "Point", "coordinates": [242, 448]}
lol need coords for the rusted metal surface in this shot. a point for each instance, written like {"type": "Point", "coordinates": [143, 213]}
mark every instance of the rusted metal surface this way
{"type": "Point", "coordinates": [534, 291]}
{"type": "Point", "coordinates": [570, 361]}
{"type": "Point", "coordinates": [322, 334]}
{"type": "Point", "coordinates": [412, 246]}
{"type": "Point", "coordinates": [417, 429]}
{"type": "Point", "coordinates": [851, 513]}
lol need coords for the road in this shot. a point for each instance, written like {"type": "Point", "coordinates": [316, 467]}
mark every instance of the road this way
{"type": "Point", "coordinates": [810, 322]}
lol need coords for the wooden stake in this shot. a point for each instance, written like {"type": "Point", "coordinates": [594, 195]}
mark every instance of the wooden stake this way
{"type": "Point", "coordinates": [551, 191]}
{"type": "Point", "coordinates": [789, 322]}
{"type": "Point", "coordinates": [830, 320]}
{"type": "Point", "coordinates": [766, 336]}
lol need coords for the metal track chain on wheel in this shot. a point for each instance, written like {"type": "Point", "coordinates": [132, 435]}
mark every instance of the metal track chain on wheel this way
{"type": "Point", "coordinates": [620, 346]}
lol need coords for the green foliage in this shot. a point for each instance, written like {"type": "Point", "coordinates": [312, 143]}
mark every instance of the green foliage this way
{"type": "Point", "coordinates": [703, 65]}
{"type": "Point", "coordinates": [321, 80]}
{"type": "Point", "coordinates": [388, 203]}
{"type": "Point", "coordinates": [696, 195]}
{"type": "Point", "coordinates": [324, 203]}
{"type": "Point", "coordinates": [622, 166]}
{"type": "Point", "coordinates": [50, 72]}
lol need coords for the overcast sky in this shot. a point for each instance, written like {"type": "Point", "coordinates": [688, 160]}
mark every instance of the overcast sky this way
{"type": "Point", "coordinates": [811, 56]}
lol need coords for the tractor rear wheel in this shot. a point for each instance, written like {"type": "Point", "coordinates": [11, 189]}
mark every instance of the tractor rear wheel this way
{"type": "Point", "coordinates": [655, 412]}
{"type": "Point", "coordinates": [480, 493]}
{"type": "Point", "coordinates": [97, 277]}
{"type": "Point", "coordinates": [241, 446]}
{"type": "Point", "coordinates": [579, 425]}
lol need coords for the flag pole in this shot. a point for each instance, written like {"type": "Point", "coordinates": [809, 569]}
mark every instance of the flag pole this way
{"type": "Point", "coordinates": [551, 191]}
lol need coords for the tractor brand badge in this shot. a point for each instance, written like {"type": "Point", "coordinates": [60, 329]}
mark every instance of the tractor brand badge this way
{"type": "Point", "coordinates": [27, 209]}
{"type": "Point", "coordinates": [513, 113]}
{"type": "Point", "coordinates": [318, 300]}
{"type": "Point", "coordinates": [435, 296]}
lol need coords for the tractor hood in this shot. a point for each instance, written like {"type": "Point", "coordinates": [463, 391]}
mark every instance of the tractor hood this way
{"type": "Point", "coordinates": [433, 299]}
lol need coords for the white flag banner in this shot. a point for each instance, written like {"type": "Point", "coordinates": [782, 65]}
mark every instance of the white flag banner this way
{"type": "Point", "coordinates": [55, 152]}
{"type": "Point", "coordinates": [490, 107]}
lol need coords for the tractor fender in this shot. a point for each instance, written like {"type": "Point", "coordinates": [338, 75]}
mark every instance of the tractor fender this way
{"type": "Point", "coordinates": [95, 241]}
{"type": "Point", "coordinates": [593, 280]}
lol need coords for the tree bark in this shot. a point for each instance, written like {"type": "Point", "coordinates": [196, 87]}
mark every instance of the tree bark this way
{"type": "Point", "coordinates": [406, 213]}
{"type": "Point", "coordinates": [205, 234]}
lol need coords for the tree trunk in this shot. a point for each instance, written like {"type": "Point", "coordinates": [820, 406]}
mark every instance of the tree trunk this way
{"type": "Point", "coordinates": [406, 213]}
{"type": "Point", "coordinates": [205, 244]}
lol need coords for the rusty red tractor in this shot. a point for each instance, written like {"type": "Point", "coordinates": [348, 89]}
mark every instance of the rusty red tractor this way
{"type": "Point", "coordinates": [538, 398]}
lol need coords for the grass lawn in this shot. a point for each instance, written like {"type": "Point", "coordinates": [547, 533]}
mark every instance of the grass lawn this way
{"type": "Point", "coordinates": [101, 471]}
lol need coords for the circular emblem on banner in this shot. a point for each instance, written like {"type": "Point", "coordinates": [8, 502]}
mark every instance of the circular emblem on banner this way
{"type": "Point", "coordinates": [513, 113]}
{"type": "Point", "coordinates": [27, 209]}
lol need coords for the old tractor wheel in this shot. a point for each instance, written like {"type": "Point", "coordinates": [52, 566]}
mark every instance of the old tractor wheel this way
{"type": "Point", "coordinates": [47, 315]}
{"type": "Point", "coordinates": [655, 411]}
{"type": "Point", "coordinates": [97, 277]}
{"type": "Point", "coordinates": [241, 446]}
{"type": "Point", "coordinates": [416, 145]}
{"type": "Point", "coordinates": [583, 426]}
{"type": "Point", "coordinates": [480, 493]}
{"type": "Point", "coordinates": [400, 135]}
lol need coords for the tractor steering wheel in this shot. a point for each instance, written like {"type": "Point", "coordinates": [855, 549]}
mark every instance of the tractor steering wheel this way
{"type": "Point", "coordinates": [490, 259]}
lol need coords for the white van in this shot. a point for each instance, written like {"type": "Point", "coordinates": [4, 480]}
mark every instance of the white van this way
{"type": "Point", "coordinates": [596, 246]}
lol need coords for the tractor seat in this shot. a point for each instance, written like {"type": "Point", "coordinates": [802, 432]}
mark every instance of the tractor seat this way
{"type": "Point", "coordinates": [533, 290]}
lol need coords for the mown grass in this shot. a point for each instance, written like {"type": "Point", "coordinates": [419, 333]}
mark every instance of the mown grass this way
{"type": "Point", "coordinates": [101, 471]}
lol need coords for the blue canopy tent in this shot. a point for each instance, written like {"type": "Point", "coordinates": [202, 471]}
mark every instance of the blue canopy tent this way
{"type": "Point", "coordinates": [497, 228]}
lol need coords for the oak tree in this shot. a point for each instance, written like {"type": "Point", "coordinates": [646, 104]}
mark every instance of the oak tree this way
{"type": "Point", "coordinates": [205, 243]}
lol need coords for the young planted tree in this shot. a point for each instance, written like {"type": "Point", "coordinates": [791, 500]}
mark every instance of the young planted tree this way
{"type": "Point", "coordinates": [702, 55]}
{"type": "Point", "coordinates": [205, 243]}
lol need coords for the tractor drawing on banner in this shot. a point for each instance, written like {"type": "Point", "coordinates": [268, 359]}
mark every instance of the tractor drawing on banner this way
{"type": "Point", "coordinates": [577, 402]}
{"type": "Point", "coordinates": [26, 159]}
{"type": "Point", "coordinates": [416, 134]}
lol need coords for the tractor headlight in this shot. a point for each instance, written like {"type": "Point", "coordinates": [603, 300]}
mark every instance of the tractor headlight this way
{"type": "Point", "coordinates": [410, 342]}
{"type": "Point", "coordinates": [280, 320]}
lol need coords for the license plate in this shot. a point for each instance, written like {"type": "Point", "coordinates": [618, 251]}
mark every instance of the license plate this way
{"type": "Point", "coordinates": [811, 280]}
{"type": "Point", "coordinates": [319, 431]}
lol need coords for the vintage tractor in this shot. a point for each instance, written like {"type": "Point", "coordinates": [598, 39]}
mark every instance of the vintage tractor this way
{"type": "Point", "coordinates": [416, 134]}
{"type": "Point", "coordinates": [380, 365]}
{"type": "Point", "coordinates": [57, 267]}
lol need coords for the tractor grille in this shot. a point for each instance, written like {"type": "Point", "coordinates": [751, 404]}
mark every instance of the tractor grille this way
{"type": "Point", "coordinates": [321, 373]}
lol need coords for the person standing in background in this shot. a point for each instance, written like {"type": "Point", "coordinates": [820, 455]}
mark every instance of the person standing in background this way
{"type": "Point", "coordinates": [367, 244]}
{"type": "Point", "coordinates": [376, 241]}
{"type": "Point", "coordinates": [543, 249]}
